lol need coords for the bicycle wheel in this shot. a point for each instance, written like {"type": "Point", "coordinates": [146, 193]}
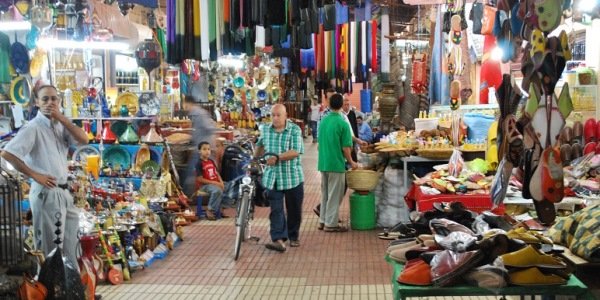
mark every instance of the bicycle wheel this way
{"type": "Point", "coordinates": [241, 222]}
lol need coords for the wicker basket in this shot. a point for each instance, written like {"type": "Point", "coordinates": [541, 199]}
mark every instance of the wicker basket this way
{"type": "Point", "coordinates": [362, 180]}
{"type": "Point", "coordinates": [435, 153]}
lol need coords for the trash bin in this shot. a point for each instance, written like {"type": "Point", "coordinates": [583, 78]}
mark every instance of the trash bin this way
{"type": "Point", "coordinates": [362, 211]}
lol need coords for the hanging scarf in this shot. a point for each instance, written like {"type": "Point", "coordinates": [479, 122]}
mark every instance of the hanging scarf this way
{"type": "Point", "coordinates": [226, 26]}
{"type": "Point", "coordinates": [204, 24]}
{"type": "Point", "coordinates": [363, 49]}
{"type": "Point", "coordinates": [385, 42]}
{"type": "Point", "coordinates": [212, 29]}
{"type": "Point", "coordinates": [197, 54]}
{"type": "Point", "coordinates": [353, 50]}
{"type": "Point", "coordinates": [374, 46]}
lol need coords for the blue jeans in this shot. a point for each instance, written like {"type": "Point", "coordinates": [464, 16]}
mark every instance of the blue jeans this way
{"type": "Point", "coordinates": [282, 229]}
{"type": "Point", "coordinates": [313, 129]}
{"type": "Point", "coordinates": [215, 197]}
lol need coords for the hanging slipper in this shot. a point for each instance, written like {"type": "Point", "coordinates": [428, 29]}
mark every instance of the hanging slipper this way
{"type": "Point", "coordinates": [549, 14]}
{"type": "Point", "coordinates": [545, 211]}
{"type": "Point", "coordinates": [564, 45]}
{"type": "Point", "coordinates": [514, 140]}
{"type": "Point", "coordinates": [529, 166]}
{"type": "Point", "coordinates": [456, 33]}
{"type": "Point", "coordinates": [552, 175]}
{"type": "Point", "coordinates": [538, 48]}
{"type": "Point", "coordinates": [565, 104]}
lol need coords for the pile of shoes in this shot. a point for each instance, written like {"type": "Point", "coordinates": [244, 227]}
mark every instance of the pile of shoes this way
{"type": "Point", "coordinates": [453, 253]}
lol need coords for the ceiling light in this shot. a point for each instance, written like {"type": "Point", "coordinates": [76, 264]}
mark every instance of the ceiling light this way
{"type": "Point", "coordinates": [66, 44]}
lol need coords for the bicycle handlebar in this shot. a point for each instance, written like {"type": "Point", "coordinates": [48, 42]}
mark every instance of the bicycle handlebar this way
{"type": "Point", "coordinates": [263, 159]}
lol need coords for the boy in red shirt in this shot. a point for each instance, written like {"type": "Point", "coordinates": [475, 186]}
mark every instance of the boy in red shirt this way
{"type": "Point", "coordinates": [209, 180]}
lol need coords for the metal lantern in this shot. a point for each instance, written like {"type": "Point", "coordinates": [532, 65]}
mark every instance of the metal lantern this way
{"type": "Point", "coordinates": [148, 55]}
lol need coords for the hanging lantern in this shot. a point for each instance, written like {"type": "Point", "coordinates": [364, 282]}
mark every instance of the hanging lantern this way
{"type": "Point", "coordinates": [148, 55]}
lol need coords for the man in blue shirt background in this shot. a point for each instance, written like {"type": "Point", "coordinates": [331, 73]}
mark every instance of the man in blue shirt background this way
{"type": "Point", "coordinates": [364, 130]}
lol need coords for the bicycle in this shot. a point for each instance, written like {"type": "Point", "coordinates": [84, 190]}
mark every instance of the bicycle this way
{"type": "Point", "coordinates": [247, 192]}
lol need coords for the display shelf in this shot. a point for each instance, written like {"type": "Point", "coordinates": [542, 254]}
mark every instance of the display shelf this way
{"type": "Point", "coordinates": [128, 84]}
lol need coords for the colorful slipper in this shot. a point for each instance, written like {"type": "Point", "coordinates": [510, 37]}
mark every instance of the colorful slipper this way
{"type": "Point", "coordinates": [549, 13]}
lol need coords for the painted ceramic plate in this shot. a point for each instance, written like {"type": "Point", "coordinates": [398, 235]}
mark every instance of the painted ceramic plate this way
{"type": "Point", "coordinates": [149, 103]}
{"type": "Point", "coordinates": [128, 99]}
{"type": "Point", "coordinates": [261, 95]}
{"type": "Point", "coordinates": [151, 167]}
{"type": "Point", "coordinates": [238, 82]}
{"type": "Point", "coordinates": [82, 152]}
{"type": "Point", "coordinates": [20, 90]}
{"type": "Point", "coordinates": [117, 157]}
{"type": "Point", "coordinates": [19, 58]}
{"type": "Point", "coordinates": [229, 94]}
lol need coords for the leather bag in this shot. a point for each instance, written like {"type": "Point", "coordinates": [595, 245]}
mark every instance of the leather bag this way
{"type": "Point", "coordinates": [489, 19]}
{"type": "Point", "coordinates": [31, 289]}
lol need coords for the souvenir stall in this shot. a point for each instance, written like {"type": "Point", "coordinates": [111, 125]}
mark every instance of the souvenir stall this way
{"type": "Point", "coordinates": [110, 74]}
{"type": "Point", "coordinates": [526, 193]}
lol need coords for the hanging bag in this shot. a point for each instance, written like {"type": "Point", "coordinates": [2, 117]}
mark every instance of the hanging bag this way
{"type": "Point", "coordinates": [488, 20]}
{"type": "Point", "coordinates": [476, 16]}
{"type": "Point", "coordinates": [31, 289]}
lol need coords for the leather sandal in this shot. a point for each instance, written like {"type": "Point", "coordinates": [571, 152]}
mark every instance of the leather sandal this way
{"type": "Point", "coordinates": [276, 246]}
{"type": "Point", "coordinates": [335, 229]}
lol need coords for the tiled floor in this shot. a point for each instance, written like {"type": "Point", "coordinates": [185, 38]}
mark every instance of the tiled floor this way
{"type": "Point", "coordinates": [326, 266]}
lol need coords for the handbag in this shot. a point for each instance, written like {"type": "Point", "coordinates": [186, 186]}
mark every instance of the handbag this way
{"type": "Point", "coordinates": [488, 20]}
{"type": "Point", "coordinates": [31, 289]}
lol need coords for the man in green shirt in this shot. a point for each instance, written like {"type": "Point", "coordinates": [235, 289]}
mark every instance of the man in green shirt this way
{"type": "Point", "coordinates": [335, 146]}
{"type": "Point", "coordinates": [283, 178]}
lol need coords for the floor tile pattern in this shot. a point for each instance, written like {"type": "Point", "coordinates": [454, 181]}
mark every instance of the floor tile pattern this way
{"type": "Point", "coordinates": [326, 266]}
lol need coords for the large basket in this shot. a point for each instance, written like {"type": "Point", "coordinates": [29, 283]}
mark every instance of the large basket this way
{"type": "Point", "coordinates": [435, 153]}
{"type": "Point", "coordinates": [362, 180]}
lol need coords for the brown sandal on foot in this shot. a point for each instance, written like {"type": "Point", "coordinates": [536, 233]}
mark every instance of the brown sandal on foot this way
{"type": "Point", "coordinates": [335, 229]}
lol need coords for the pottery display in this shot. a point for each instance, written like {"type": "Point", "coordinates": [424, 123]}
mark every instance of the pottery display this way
{"type": "Point", "coordinates": [152, 137]}
{"type": "Point", "coordinates": [129, 136]}
{"type": "Point", "coordinates": [108, 136]}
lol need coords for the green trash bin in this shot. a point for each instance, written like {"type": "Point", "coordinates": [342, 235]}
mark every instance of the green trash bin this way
{"type": "Point", "coordinates": [362, 211]}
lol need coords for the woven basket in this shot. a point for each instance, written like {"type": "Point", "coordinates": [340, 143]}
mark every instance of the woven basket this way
{"type": "Point", "coordinates": [435, 153]}
{"type": "Point", "coordinates": [362, 180]}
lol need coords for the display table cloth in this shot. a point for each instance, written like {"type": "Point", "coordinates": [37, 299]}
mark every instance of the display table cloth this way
{"type": "Point", "coordinates": [573, 287]}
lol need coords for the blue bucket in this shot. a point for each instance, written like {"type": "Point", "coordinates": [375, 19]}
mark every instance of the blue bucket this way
{"type": "Point", "coordinates": [365, 101]}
